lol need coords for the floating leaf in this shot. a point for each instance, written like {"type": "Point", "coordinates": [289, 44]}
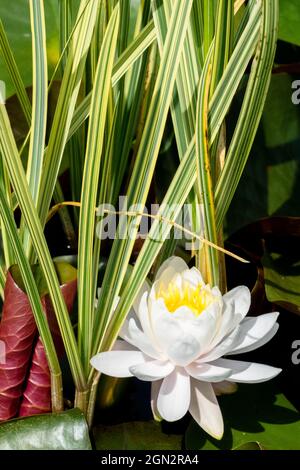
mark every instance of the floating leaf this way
{"type": "Point", "coordinates": [16, 22]}
{"type": "Point", "coordinates": [272, 245]}
{"type": "Point", "coordinates": [282, 281]}
{"type": "Point", "coordinates": [250, 446]}
{"type": "Point", "coordinates": [56, 431]}
{"type": "Point", "coordinates": [254, 414]}
{"type": "Point", "coordinates": [289, 21]}
{"type": "Point", "coordinates": [135, 436]}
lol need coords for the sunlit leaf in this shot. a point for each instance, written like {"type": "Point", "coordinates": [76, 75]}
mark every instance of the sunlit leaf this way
{"type": "Point", "coordinates": [254, 413]}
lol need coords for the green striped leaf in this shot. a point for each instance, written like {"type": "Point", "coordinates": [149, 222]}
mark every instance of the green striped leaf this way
{"type": "Point", "coordinates": [251, 111]}
{"type": "Point", "coordinates": [39, 102]}
{"type": "Point", "coordinates": [94, 150]}
{"type": "Point", "coordinates": [66, 103]}
{"type": "Point", "coordinates": [140, 44]}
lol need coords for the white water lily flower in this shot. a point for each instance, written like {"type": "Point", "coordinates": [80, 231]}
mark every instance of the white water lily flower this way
{"type": "Point", "coordinates": [177, 340]}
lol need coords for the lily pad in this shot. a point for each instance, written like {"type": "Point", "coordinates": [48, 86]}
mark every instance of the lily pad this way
{"type": "Point", "coordinates": [272, 245]}
{"type": "Point", "coordinates": [250, 446]}
{"type": "Point", "coordinates": [135, 436]}
{"type": "Point", "coordinates": [289, 21]}
{"type": "Point", "coordinates": [255, 414]}
{"type": "Point", "coordinates": [16, 21]}
{"type": "Point", "coordinates": [57, 431]}
{"type": "Point", "coordinates": [282, 281]}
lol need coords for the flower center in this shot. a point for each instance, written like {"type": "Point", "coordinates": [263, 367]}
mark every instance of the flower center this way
{"type": "Point", "coordinates": [196, 299]}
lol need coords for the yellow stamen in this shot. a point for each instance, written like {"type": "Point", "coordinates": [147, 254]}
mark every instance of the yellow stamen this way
{"type": "Point", "coordinates": [196, 299]}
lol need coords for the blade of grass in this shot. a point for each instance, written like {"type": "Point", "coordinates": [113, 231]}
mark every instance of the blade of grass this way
{"type": "Point", "coordinates": [64, 29]}
{"type": "Point", "coordinates": [2, 281]}
{"type": "Point", "coordinates": [123, 63]}
{"type": "Point", "coordinates": [66, 221]}
{"type": "Point", "coordinates": [223, 41]}
{"type": "Point", "coordinates": [90, 186]}
{"type": "Point", "coordinates": [208, 27]}
{"type": "Point", "coordinates": [65, 49]}
{"type": "Point", "coordinates": [248, 41]}
{"type": "Point", "coordinates": [39, 103]}
{"type": "Point", "coordinates": [223, 45]}
{"type": "Point", "coordinates": [66, 104]}
{"type": "Point", "coordinates": [6, 245]}
{"type": "Point", "coordinates": [183, 108]}
{"type": "Point", "coordinates": [99, 32]}
{"type": "Point", "coordinates": [204, 179]}
{"type": "Point", "coordinates": [228, 85]}
{"type": "Point", "coordinates": [198, 29]}
{"type": "Point", "coordinates": [74, 147]}
{"type": "Point", "coordinates": [251, 111]}
{"type": "Point", "coordinates": [105, 196]}
{"type": "Point", "coordinates": [134, 95]}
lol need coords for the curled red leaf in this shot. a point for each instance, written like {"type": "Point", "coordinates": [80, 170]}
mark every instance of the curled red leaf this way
{"type": "Point", "coordinates": [17, 333]}
{"type": "Point", "coordinates": [37, 394]}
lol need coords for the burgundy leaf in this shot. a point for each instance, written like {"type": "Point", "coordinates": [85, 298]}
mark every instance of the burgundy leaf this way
{"type": "Point", "coordinates": [37, 395]}
{"type": "Point", "coordinates": [17, 332]}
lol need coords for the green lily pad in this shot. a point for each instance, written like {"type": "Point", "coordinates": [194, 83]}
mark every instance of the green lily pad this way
{"type": "Point", "coordinates": [289, 21]}
{"type": "Point", "coordinates": [282, 281]}
{"type": "Point", "coordinates": [16, 20]}
{"type": "Point", "coordinates": [250, 446]}
{"type": "Point", "coordinates": [255, 414]}
{"type": "Point", "coordinates": [57, 431]}
{"type": "Point", "coordinates": [135, 436]}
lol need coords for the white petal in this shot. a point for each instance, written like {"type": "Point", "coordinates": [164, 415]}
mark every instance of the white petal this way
{"type": "Point", "coordinates": [174, 395]}
{"type": "Point", "coordinates": [236, 306]}
{"type": "Point", "coordinates": [259, 343]}
{"type": "Point", "coordinates": [241, 298]}
{"type": "Point", "coordinates": [205, 409]}
{"type": "Point", "coordinates": [248, 372]}
{"type": "Point", "coordinates": [116, 363]}
{"type": "Point", "coordinates": [225, 388]}
{"type": "Point", "coordinates": [144, 317]}
{"type": "Point", "coordinates": [152, 370]}
{"type": "Point", "coordinates": [226, 317]}
{"type": "Point", "coordinates": [221, 349]}
{"type": "Point", "coordinates": [146, 287]}
{"type": "Point", "coordinates": [133, 335]}
{"type": "Point", "coordinates": [254, 332]}
{"type": "Point", "coordinates": [177, 344]}
{"type": "Point", "coordinates": [192, 277]}
{"type": "Point", "coordinates": [181, 346]}
{"type": "Point", "coordinates": [208, 372]}
{"type": "Point", "coordinates": [251, 334]}
{"type": "Point", "coordinates": [173, 265]}
{"type": "Point", "coordinates": [181, 335]}
{"type": "Point", "coordinates": [155, 387]}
